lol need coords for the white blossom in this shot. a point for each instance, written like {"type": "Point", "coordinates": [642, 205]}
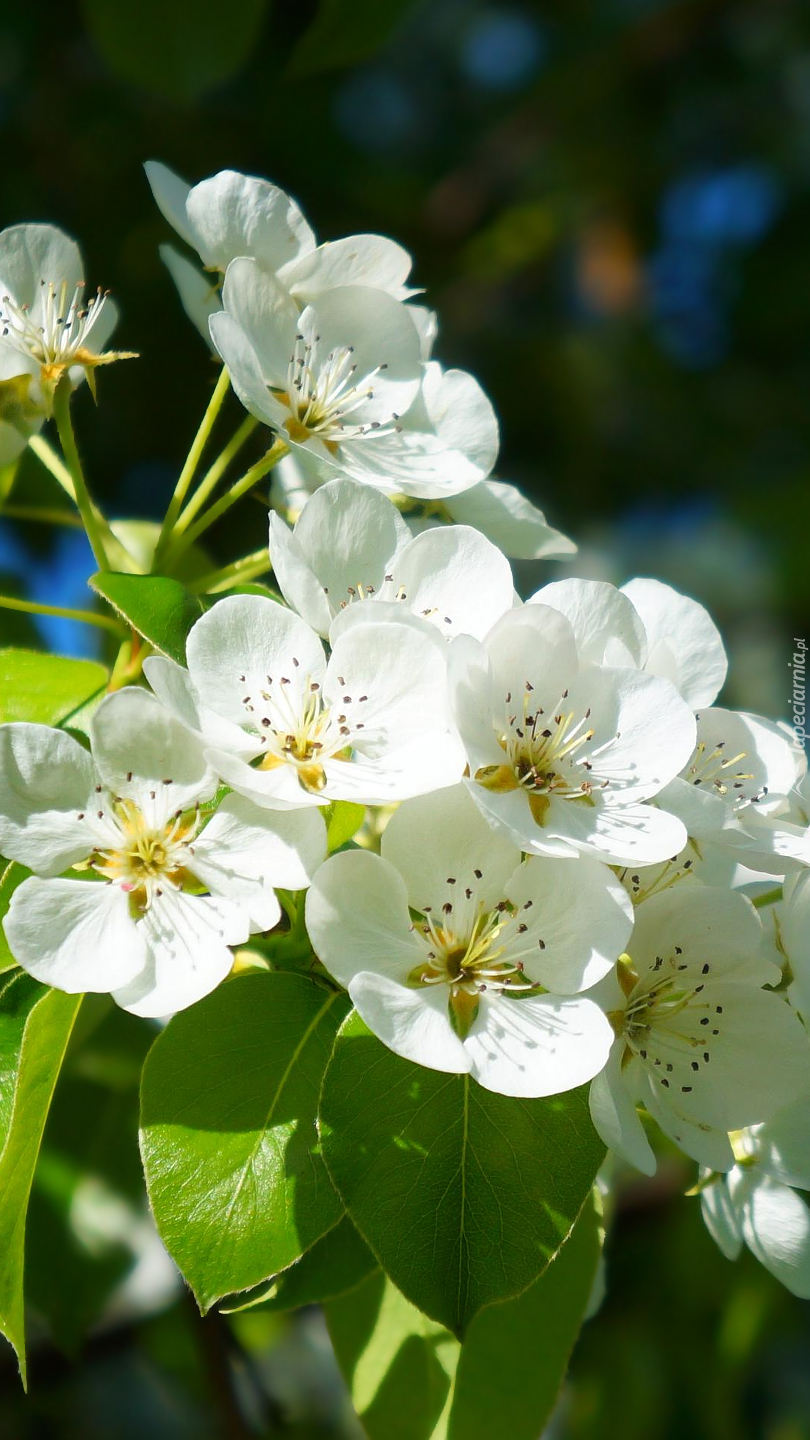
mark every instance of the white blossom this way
{"type": "Point", "coordinates": [735, 790]}
{"type": "Point", "coordinates": [698, 1042]}
{"type": "Point", "coordinates": [499, 511]}
{"type": "Point", "coordinates": [647, 624]}
{"type": "Point", "coordinates": [160, 890]}
{"type": "Point", "coordinates": [350, 545]}
{"type": "Point", "coordinates": [50, 327]}
{"type": "Point", "coordinates": [756, 1203]}
{"type": "Point", "coordinates": [286, 727]}
{"type": "Point", "coordinates": [563, 753]}
{"type": "Point", "coordinates": [486, 979]}
{"type": "Point", "coordinates": [231, 215]}
{"type": "Point", "coordinates": [343, 381]}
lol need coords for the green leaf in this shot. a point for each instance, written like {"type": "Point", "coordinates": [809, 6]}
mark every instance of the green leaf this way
{"type": "Point", "coordinates": [46, 689]}
{"type": "Point", "coordinates": [31, 1061]}
{"type": "Point", "coordinates": [506, 1376]}
{"type": "Point", "coordinates": [547, 1318]}
{"type": "Point", "coordinates": [344, 821]}
{"type": "Point", "coordinates": [464, 1196]}
{"type": "Point", "coordinates": [11, 875]}
{"type": "Point", "coordinates": [19, 993]}
{"type": "Point", "coordinates": [398, 1364]}
{"type": "Point", "coordinates": [344, 34]}
{"type": "Point", "coordinates": [228, 1100]}
{"type": "Point", "coordinates": [336, 1263]}
{"type": "Point", "coordinates": [160, 609]}
{"type": "Point", "coordinates": [181, 50]}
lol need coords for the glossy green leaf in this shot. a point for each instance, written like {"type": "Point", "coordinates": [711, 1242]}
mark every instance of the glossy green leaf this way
{"type": "Point", "coordinates": [11, 875]}
{"type": "Point", "coordinates": [36, 1031]}
{"type": "Point", "coordinates": [542, 1325]}
{"type": "Point", "coordinates": [46, 689]}
{"type": "Point", "coordinates": [228, 1101]}
{"type": "Point", "coordinates": [181, 50]}
{"type": "Point", "coordinates": [337, 1262]}
{"type": "Point", "coordinates": [464, 1196]}
{"type": "Point", "coordinates": [160, 609]}
{"type": "Point", "coordinates": [398, 1364]}
{"type": "Point", "coordinates": [344, 34]}
{"type": "Point", "coordinates": [343, 822]}
{"type": "Point", "coordinates": [411, 1379]}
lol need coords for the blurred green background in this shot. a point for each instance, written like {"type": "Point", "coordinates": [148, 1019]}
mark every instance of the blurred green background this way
{"type": "Point", "coordinates": [608, 204]}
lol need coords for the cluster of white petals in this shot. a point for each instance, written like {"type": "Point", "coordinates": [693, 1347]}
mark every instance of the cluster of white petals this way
{"type": "Point", "coordinates": [51, 326]}
{"type": "Point", "coordinates": [577, 867]}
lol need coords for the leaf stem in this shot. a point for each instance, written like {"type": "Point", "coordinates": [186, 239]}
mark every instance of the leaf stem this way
{"type": "Point", "coordinates": [64, 426]}
{"type": "Point", "coordinates": [53, 462]}
{"type": "Point", "coordinates": [88, 617]}
{"type": "Point", "coordinates": [56, 467]}
{"type": "Point", "coordinates": [250, 567]}
{"type": "Point", "coordinates": [41, 515]}
{"type": "Point", "coordinates": [192, 460]}
{"type": "Point", "coordinates": [212, 476]}
{"type": "Point", "coordinates": [241, 487]}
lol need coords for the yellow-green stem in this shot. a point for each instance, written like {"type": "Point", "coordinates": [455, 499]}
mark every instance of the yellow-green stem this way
{"type": "Point", "coordinates": [56, 467]}
{"type": "Point", "coordinates": [41, 516]}
{"type": "Point", "coordinates": [64, 426]}
{"type": "Point", "coordinates": [88, 617]}
{"type": "Point", "coordinates": [250, 567]}
{"type": "Point", "coordinates": [212, 476]}
{"type": "Point", "coordinates": [241, 487]}
{"type": "Point", "coordinates": [189, 469]}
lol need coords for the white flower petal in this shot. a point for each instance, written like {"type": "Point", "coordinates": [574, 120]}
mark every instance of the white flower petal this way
{"type": "Point", "coordinates": [606, 627]}
{"type": "Point", "coordinates": [456, 578]}
{"type": "Point", "coordinates": [199, 298]}
{"type": "Point", "coordinates": [368, 260]}
{"type": "Point", "coordinates": [187, 939]}
{"type": "Point", "coordinates": [381, 333]}
{"type": "Point", "coordinates": [511, 521]}
{"type": "Point", "coordinates": [795, 932]}
{"type": "Point", "coordinates": [266, 315]}
{"type": "Point", "coordinates": [462, 416]}
{"type": "Point", "coordinates": [413, 1023]}
{"type": "Point", "coordinates": [244, 852]}
{"type": "Point", "coordinates": [710, 926]}
{"type": "Point", "coordinates": [75, 935]}
{"type": "Point", "coordinates": [683, 642]}
{"type": "Point", "coordinates": [722, 1219]}
{"type": "Point", "coordinates": [776, 1226]}
{"type": "Point", "coordinates": [171, 194]}
{"type": "Point", "coordinates": [239, 642]}
{"type": "Point", "coordinates": [47, 781]}
{"type": "Point", "coordinates": [443, 834]}
{"type": "Point", "coordinates": [760, 1060]}
{"type": "Point", "coordinates": [707, 1144]}
{"type": "Point", "coordinates": [173, 688]}
{"type": "Point", "coordinates": [654, 734]}
{"type": "Point", "coordinates": [580, 912]}
{"type": "Point", "coordinates": [144, 754]}
{"type": "Point", "coordinates": [357, 918]}
{"type": "Point", "coordinates": [232, 345]}
{"type": "Point", "coordinates": [230, 215]}
{"type": "Point", "coordinates": [402, 672]}
{"type": "Point", "coordinates": [297, 581]}
{"type": "Point", "coordinates": [541, 1045]}
{"type": "Point", "coordinates": [614, 1114]}
{"type": "Point", "coordinates": [340, 547]}
{"type": "Point", "coordinates": [30, 254]}
{"type": "Point", "coordinates": [782, 1144]}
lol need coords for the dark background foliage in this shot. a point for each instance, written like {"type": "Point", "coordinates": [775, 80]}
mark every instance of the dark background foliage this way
{"type": "Point", "coordinates": [609, 206]}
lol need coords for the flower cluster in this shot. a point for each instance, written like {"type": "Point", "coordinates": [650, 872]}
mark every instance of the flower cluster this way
{"type": "Point", "coordinates": [575, 866]}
